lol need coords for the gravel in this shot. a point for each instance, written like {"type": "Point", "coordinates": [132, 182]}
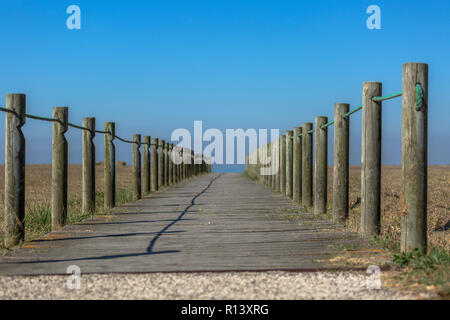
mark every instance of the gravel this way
{"type": "Point", "coordinates": [201, 286]}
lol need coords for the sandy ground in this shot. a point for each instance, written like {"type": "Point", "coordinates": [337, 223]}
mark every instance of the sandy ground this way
{"type": "Point", "coordinates": [202, 286]}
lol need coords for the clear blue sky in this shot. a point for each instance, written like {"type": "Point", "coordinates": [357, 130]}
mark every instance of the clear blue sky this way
{"type": "Point", "coordinates": [154, 66]}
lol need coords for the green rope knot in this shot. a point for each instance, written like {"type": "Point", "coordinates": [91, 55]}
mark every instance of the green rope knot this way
{"type": "Point", "coordinates": [419, 97]}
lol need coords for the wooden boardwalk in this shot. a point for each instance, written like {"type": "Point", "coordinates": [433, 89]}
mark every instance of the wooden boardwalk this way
{"type": "Point", "coordinates": [214, 222]}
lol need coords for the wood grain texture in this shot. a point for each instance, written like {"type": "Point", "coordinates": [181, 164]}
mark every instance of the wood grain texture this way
{"type": "Point", "coordinates": [210, 223]}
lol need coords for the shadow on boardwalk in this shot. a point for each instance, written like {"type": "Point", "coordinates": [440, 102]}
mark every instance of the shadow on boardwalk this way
{"type": "Point", "coordinates": [237, 225]}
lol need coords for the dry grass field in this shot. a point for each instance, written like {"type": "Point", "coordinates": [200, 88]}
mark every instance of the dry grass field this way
{"type": "Point", "coordinates": [438, 204]}
{"type": "Point", "coordinates": [38, 195]}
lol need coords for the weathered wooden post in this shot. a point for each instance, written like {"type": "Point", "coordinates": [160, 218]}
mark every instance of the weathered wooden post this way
{"type": "Point", "coordinates": [169, 155]}
{"type": "Point", "coordinates": [110, 165]}
{"type": "Point", "coordinates": [268, 164]}
{"type": "Point", "coordinates": [174, 164]}
{"type": "Point", "coordinates": [137, 191]}
{"type": "Point", "coordinates": [260, 159]}
{"type": "Point", "coordinates": [146, 175]}
{"type": "Point", "coordinates": [88, 166]}
{"type": "Point", "coordinates": [59, 168]}
{"type": "Point", "coordinates": [414, 156]}
{"type": "Point", "coordinates": [191, 164]}
{"type": "Point", "coordinates": [289, 163]}
{"type": "Point", "coordinates": [283, 165]}
{"type": "Point", "coordinates": [297, 165]}
{"type": "Point", "coordinates": [263, 154]}
{"type": "Point", "coordinates": [278, 174]}
{"type": "Point", "coordinates": [185, 163]}
{"type": "Point", "coordinates": [161, 163]}
{"type": "Point", "coordinates": [166, 164]}
{"type": "Point", "coordinates": [371, 159]}
{"type": "Point", "coordinates": [307, 164]}
{"type": "Point", "coordinates": [273, 164]}
{"type": "Point", "coordinates": [154, 174]}
{"type": "Point", "coordinates": [182, 164]}
{"type": "Point", "coordinates": [321, 166]}
{"type": "Point", "coordinates": [176, 155]}
{"type": "Point", "coordinates": [15, 170]}
{"type": "Point", "coordinates": [341, 163]}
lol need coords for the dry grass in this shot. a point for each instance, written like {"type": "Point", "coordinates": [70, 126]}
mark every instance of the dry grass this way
{"type": "Point", "coordinates": [38, 195]}
{"type": "Point", "coordinates": [412, 271]}
{"type": "Point", "coordinates": [438, 213]}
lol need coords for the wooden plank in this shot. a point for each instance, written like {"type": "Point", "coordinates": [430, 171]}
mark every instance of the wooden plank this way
{"type": "Point", "coordinates": [212, 222]}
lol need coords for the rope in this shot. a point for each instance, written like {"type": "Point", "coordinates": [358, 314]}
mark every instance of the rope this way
{"type": "Point", "coordinates": [327, 125]}
{"type": "Point", "coordinates": [392, 96]}
{"type": "Point", "coordinates": [123, 140]}
{"type": "Point", "coordinates": [348, 114]}
{"type": "Point", "coordinates": [81, 128]}
{"type": "Point", "coordinates": [102, 132]}
{"type": "Point", "coordinates": [30, 116]}
{"type": "Point", "coordinates": [8, 111]}
{"type": "Point", "coordinates": [419, 97]}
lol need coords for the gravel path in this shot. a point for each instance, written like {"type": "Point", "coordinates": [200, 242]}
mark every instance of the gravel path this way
{"type": "Point", "coordinates": [200, 286]}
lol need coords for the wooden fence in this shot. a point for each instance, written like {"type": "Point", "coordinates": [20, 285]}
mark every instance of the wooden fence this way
{"type": "Point", "coordinates": [292, 155]}
{"type": "Point", "coordinates": [162, 166]}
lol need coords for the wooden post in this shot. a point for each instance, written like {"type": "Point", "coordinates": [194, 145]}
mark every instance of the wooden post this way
{"type": "Point", "coordinates": [59, 168]}
{"type": "Point", "coordinates": [137, 191]}
{"type": "Point", "coordinates": [283, 165]}
{"type": "Point", "coordinates": [146, 175]}
{"type": "Point", "coordinates": [341, 163]}
{"type": "Point", "coordinates": [192, 163]}
{"type": "Point", "coordinates": [88, 167]}
{"type": "Point", "coordinates": [278, 174]}
{"type": "Point", "coordinates": [307, 163]}
{"type": "Point", "coordinates": [275, 164]}
{"type": "Point", "coordinates": [259, 153]}
{"type": "Point", "coordinates": [268, 164]}
{"type": "Point", "coordinates": [110, 165]}
{"type": "Point", "coordinates": [414, 157]}
{"type": "Point", "coordinates": [297, 165]}
{"type": "Point", "coordinates": [15, 170]}
{"type": "Point", "coordinates": [189, 155]}
{"type": "Point", "coordinates": [154, 174]}
{"type": "Point", "coordinates": [289, 163]}
{"type": "Point", "coordinates": [321, 166]}
{"type": "Point", "coordinates": [166, 164]}
{"type": "Point", "coordinates": [169, 156]}
{"type": "Point", "coordinates": [176, 154]}
{"type": "Point", "coordinates": [161, 164]}
{"type": "Point", "coordinates": [182, 164]}
{"type": "Point", "coordinates": [371, 159]}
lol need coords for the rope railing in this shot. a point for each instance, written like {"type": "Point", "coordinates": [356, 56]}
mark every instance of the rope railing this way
{"type": "Point", "coordinates": [348, 114]}
{"type": "Point", "coordinates": [30, 116]}
{"type": "Point", "coordinates": [300, 169]}
{"type": "Point", "coordinates": [159, 170]}
{"type": "Point", "coordinates": [392, 96]}
{"type": "Point", "coordinates": [8, 111]}
{"type": "Point", "coordinates": [376, 99]}
{"type": "Point", "coordinates": [124, 140]}
{"type": "Point", "coordinates": [34, 117]}
{"type": "Point", "coordinates": [80, 127]}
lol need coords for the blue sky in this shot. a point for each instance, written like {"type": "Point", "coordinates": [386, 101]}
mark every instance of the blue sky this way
{"type": "Point", "coordinates": [154, 66]}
